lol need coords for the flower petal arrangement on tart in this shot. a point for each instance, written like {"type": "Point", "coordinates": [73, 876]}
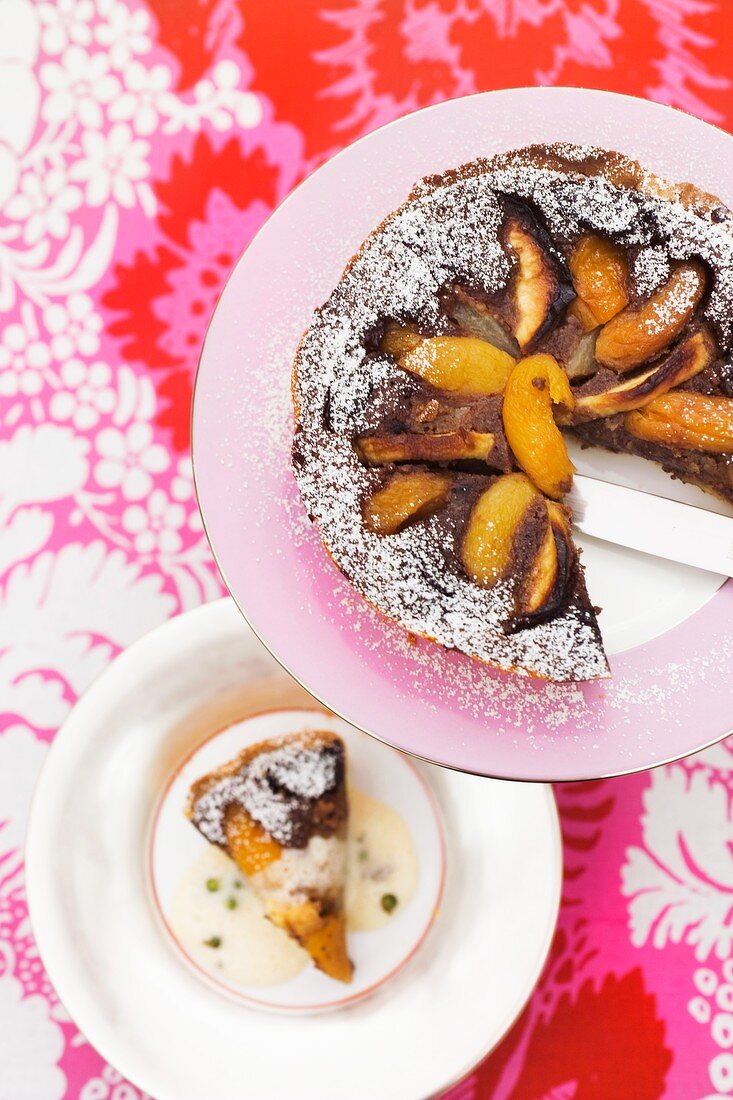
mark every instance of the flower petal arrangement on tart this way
{"type": "Point", "coordinates": [497, 308]}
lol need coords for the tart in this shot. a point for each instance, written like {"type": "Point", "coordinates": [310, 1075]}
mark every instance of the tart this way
{"type": "Point", "coordinates": [548, 291]}
{"type": "Point", "coordinates": [280, 811]}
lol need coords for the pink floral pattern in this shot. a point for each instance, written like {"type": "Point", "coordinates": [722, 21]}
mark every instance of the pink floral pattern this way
{"type": "Point", "coordinates": [142, 153]}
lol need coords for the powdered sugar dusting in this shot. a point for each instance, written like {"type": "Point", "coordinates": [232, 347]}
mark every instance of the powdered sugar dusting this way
{"type": "Point", "coordinates": [526, 710]}
{"type": "Point", "coordinates": [275, 788]}
{"type": "Point", "coordinates": [449, 232]}
{"type": "Point", "coordinates": [649, 270]}
{"type": "Point", "coordinates": [452, 709]}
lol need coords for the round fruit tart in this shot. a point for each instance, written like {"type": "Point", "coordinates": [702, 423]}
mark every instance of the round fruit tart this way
{"type": "Point", "coordinates": [547, 290]}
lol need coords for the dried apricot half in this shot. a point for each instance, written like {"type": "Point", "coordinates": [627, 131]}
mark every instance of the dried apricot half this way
{"type": "Point", "coordinates": [534, 386]}
{"type": "Point", "coordinates": [642, 331]}
{"type": "Point", "coordinates": [493, 547]}
{"type": "Point", "coordinates": [691, 421]}
{"type": "Point", "coordinates": [545, 584]}
{"type": "Point", "coordinates": [600, 276]}
{"type": "Point", "coordinates": [459, 364]}
{"type": "Point", "coordinates": [409, 495]}
{"type": "Point", "coordinates": [489, 539]}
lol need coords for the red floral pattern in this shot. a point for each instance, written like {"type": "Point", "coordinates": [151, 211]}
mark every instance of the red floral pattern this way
{"type": "Point", "coordinates": [211, 203]}
{"type": "Point", "coordinates": [233, 102]}
{"type": "Point", "coordinates": [598, 1044]}
{"type": "Point", "coordinates": [363, 62]}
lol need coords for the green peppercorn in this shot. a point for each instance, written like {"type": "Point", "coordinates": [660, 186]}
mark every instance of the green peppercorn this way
{"type": "Point", "coordinates": [238, 884]}
{"type": "Point", "coordinates": [231, 903]}
{"type": "Point", "coordinates": [389, 902]}
{"type": "Point", "coordinates": [213, 941]}
{"type": "Point", "coordinates": [363, 855]}
{"type": "Point", "coordinates": [212, 885]}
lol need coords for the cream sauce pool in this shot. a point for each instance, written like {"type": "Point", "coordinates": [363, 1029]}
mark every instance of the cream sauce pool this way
{"type": "Point", "coordinates": [219, 922]}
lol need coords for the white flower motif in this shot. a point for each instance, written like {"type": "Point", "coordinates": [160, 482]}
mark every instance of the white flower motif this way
{"type": "Point", "coordinates": [23, 535]}
{"type": "Point", "coordinates": [123, 32]}
{"type": "Point", "coordinates": [32, 1046]}
{"type": "Point", "coordinates": [680, 884]}
{"type": "Point", "coordinates": [139, 103]}
{"type": "Point", "coordinates": [44, 204]}
{"type": "Point", "coordinates": [214, 93]}
{"type": "Point", "coordinates": [20, 93]}
{"type": "Point", "coordinates": [74, 327]}
{"type": "Point", "coordinates": [87, 396]}
{"type": "Point", "coordinates": [182, 489]}
{"type": "Point", "coordinates": [110, 1086]}
{"type": "Point", "coordinates": [155, 528]}
{"type": "Point", "coordinates": [217, 98]}
{"type": "Point", "coordinates": [78, 86]}
{"type": "Point", "coordinates": [128, 458]}
{"type": "Point", "coordinates": [23, 356]}
{"type": "Point", "coordinates": [41, 463]}
{"type": "Point", "coordinates": [63, 616]}
{"type": "Point", "coordinates": [113, 166]}
{"type": "Point", "coordinates": [182, 483]}
{"type": "Point", "coordinates": [65, 23]}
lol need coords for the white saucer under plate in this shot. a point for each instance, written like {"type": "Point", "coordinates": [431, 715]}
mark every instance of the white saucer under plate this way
{"type": "Point", "coordinates": [147, 1012]}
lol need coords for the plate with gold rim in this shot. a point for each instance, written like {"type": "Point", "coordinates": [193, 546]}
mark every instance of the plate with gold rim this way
{"type": "Point", "coordinates": [666, 626]}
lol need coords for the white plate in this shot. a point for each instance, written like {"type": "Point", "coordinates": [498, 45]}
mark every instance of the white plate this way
{"type": "Point", "coordinates": [382, 773]}
{"type": "Point", "coordinates": [144, 1009]}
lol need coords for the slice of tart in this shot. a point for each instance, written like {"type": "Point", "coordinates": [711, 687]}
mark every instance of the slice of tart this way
{"type": "Point", "coordinates": [280, 810]}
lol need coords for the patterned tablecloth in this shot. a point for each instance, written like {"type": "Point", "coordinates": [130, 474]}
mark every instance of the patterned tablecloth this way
{"type": "Point", "coordinates": [141, 146]}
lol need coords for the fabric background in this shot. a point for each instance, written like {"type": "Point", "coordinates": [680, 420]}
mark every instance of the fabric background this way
{"type": "Point", "coordinates": [141, 146]}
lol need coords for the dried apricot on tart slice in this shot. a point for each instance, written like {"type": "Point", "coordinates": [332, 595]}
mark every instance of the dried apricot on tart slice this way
{"type": "Point", "coordinates": [514, 534]}
{"type": "Point", "coordinates": [534, 386]}
{"type": "Point", "coordinates": [459, 364]}
{"type": "Point", "coordinates": [689, 358]}
{"type": "Point", "coordinates": [458, 446]}
{"type": "Point", "coordinates": [545, 586]}
{"type": "Point", "coordinates": [537, 289]}
{"type": "Point", "coordinates": [643, 330]}
{"type": "Point", "coordinates": [407, 496]}
{"type": "Point", "coordinates": [490, 536]}
{"type": "Point", "coordinates": [600, 275]}
{"type": "Point", "coordinates": [250, 846]}
{"type": "Point", "coordinates": [690, 421]}
{"type": "Point", "coordinates": [397, 339]}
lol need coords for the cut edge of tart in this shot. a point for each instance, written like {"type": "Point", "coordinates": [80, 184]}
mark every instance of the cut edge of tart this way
{"type": "Point", "coordinates": [551, 287]}
{"type": "Point", "coordinates": [280, 809]}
